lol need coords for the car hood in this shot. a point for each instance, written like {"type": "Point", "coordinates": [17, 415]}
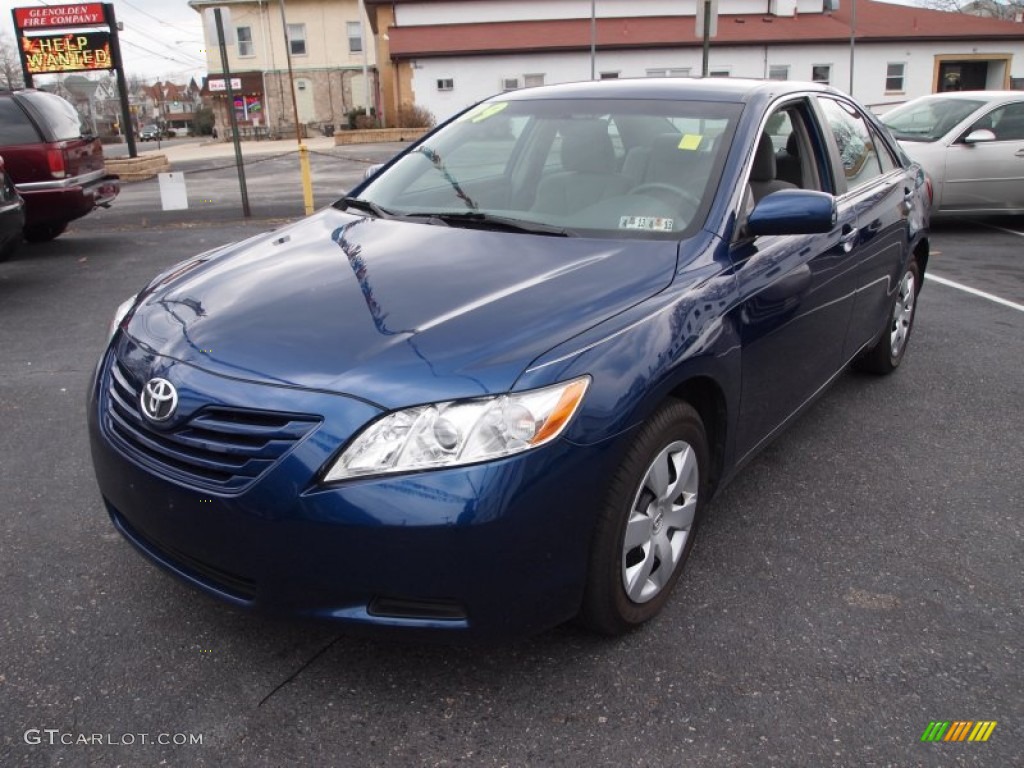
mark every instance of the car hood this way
{"type": "Point", "coordinates": [390, 311]}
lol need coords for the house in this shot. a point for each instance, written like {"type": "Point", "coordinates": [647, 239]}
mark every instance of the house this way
{"type": "Point", "coordinates": [169, 105]}
{"type": "Point", "coordinates": [444, 55]}
{"type": "Point", "coordinates": [321, 41]}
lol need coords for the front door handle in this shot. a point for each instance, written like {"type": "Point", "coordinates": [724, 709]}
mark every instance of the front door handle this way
{"type": "Point", "coordinates": [1019, 153]}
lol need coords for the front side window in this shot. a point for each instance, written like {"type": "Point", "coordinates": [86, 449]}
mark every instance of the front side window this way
{"type": "Point", "coordinates": [354, 30]}
{"type": "Point", "coordinates": [244, 36]}
{"type": "Point", "coordinates": [561, 164]}
{"type": "Point", "coordinates": [894, 77]}
{"type": "Point", "coordinates": [930, 119]}
{"type": "Point", "coordinates": [1007, 122]}
{"type": "Point", "coordinates": [855, 142]}
{"type": "Point", "coordinates": [297, 39]}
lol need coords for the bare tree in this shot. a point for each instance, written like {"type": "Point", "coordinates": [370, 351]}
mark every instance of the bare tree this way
{"type": "Point", "coordinates": [10, 64]}
{"type": "Point", "coordinates": [994, 9]}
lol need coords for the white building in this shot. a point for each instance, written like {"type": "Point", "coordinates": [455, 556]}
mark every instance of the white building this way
{"type": "Point", "coordinates": [447, 54]}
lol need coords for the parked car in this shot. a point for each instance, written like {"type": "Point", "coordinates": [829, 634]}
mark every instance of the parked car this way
{"type": "Point", "coordinates": [971, 144]}
{"type": "Point", "coordinates": [497, 385]}
{"type": "Point", "coordinates": [12, 214]}
{"type": "Point", "coordinates": [151, 133]}
{"type": "Point", "coordinates": [56, 167]}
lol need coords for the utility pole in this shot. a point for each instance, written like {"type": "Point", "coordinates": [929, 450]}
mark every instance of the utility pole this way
{"type": "Point", "coordinates": [593, 39]}
{"type": "Point", "coordinates": [853, 38]}
{"type": "Point", "coordinates": [307, 180]}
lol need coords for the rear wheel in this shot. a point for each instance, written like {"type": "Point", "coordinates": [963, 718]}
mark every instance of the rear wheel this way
{"type": "Point", "coordinates": [646, 529]}
{"type": "Point", "coordinates": [887, 353]}
{"type": "Point", "coordinates": [44, 233]}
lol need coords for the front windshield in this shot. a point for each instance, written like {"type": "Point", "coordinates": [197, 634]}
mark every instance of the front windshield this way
{"type": "Point", "coordinates": [599, 167]}
{"type": "Point", "coordinates": [928, 120]}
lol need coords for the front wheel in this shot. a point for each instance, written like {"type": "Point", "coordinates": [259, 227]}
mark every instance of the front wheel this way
{"type": "Point", "coordinates": [646, 528]}
{"type": "Point", "coordinates": [887, 353]}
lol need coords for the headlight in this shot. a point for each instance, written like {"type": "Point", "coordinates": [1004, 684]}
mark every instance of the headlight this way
{"type": "Point", "coordinates": [461, 432]}
{"type": "Point", "coordinates": [119, 314]}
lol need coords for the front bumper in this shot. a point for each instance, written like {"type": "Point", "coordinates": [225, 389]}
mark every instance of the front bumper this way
{"type": "Point", "coordinates": [497, 549]}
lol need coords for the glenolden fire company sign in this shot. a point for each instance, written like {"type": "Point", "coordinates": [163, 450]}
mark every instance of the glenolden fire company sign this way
{"type": "Point", "coordinates": [43, 17]}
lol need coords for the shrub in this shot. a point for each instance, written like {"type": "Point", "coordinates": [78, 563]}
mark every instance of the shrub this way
{"type": "Point", "coordinates": [415, 116]}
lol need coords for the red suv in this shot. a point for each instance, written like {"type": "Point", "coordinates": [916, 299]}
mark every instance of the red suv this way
{"type": "Point", "coordinates": [56, 168]}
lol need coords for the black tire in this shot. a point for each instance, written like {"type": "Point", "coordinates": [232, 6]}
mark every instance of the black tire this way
{"type": "Point", "coordinates": [44, 233]}
{"type": "Point", "coordinates": [888, 352]}
{"type": "Point", "coordinates": [607, 606]}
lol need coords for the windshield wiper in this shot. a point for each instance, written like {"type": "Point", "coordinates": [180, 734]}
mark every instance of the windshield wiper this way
{"type": "Point", "coordinates": [364, 205]}
{"type": "Point", "coordinates": [480, 220]}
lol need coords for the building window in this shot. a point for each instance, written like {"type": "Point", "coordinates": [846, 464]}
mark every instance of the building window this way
{"type": "Point", "coordinates": [669, 72]}
{"type": "Point", "coordinates": [445, 84]}
{"type": "Point", "coordinates": [532, 81]}
{"type": "Point", "coordinates": [822, 73]}
{"type": "Point", "coordinates": [609, 75]}
{"type": "Point", "coordinates": [778, 72]}
{"type": "Point", "coordinates": [244, 36]}
{"type": "Point", "coordinates": [297, 39]}
{"type": "Point", "coordinates": [718, 73]}
{"type": "Point", "coordinates": [894, 77]}
{"type": "Point", "coordinates": [354, 30]}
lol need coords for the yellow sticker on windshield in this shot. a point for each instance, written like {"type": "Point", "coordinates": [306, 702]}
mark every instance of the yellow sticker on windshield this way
{"type": "Point", "coordinates": [690, 141]}
{"type": "Point", "coordinates": [483, 111]}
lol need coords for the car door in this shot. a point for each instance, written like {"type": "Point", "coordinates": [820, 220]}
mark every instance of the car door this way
{"type": "Point", "coordinates": [879, 190]}
{"type": "Point", "coordinates": [796, 291]}
{"type": "Point", "coordinates": [988, 175]}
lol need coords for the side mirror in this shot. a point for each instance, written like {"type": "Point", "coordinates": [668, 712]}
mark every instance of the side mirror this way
{"type": "Point", "coordinates": [793, 212]}
{"type": "Point", "coordinates": [979, 136]}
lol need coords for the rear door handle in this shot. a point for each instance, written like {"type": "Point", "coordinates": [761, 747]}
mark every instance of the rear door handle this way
{"type": "Point", "coordinates": [849, 237]}
{"type": "Point", "coordinates": [1019, 153]}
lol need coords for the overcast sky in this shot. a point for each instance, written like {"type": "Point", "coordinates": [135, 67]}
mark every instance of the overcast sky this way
{"type": "Point", "coordinates": [162, 39]}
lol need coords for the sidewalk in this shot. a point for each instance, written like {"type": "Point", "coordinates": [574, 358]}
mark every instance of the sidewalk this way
{"type": "Point", "coordinates": [210, 149]}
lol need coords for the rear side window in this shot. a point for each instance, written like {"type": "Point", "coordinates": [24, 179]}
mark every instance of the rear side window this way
{"type": "Point", "coordinates": [15, 127]}
{"type": "Point", "coordinates": [61, 118]}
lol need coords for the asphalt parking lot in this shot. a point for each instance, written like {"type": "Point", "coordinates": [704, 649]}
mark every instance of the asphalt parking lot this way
{"type": "Point", "coordinates": [860, 579]}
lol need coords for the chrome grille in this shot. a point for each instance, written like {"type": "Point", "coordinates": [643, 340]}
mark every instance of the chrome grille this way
{"type": "Point", "coordinates": [219, 448]}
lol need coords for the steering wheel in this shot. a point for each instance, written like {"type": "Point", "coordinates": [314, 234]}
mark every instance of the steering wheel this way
{"type": "Point", "coordinates": [680, 195]}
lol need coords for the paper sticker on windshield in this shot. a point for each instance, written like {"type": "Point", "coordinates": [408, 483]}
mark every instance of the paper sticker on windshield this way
{"type": "Point", "coordinates": [649, 223]}
{"type": "Point", "coordinates": [690, 141]}
{"type": "Point", "coordinates": [483, 112]}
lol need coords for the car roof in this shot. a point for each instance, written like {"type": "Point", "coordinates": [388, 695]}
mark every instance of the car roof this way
{"type": "Point", "coordinates": [722, 89]}
{"type": "Point", "coordinates": [986, 96]}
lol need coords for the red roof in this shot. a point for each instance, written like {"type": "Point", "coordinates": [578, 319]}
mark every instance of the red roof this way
{"type": "Point", "coordinates": [876, 22]}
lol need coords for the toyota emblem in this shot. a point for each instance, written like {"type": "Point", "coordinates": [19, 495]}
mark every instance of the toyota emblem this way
{"type": "Point", "coordinates": [159, 400]}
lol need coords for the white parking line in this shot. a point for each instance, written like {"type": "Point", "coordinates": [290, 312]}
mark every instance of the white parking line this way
{"type": "Point", "coordinates": [1001, 229]}
{"type": "Point", "coordinates": [932, 277]}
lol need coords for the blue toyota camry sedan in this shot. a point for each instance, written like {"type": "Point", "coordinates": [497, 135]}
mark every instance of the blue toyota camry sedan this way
{"type": "Point", "coordinates": [497, 386]}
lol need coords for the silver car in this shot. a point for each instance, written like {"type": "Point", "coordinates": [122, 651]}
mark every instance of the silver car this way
{"type": "Point", "coordinates": [971, 144]}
